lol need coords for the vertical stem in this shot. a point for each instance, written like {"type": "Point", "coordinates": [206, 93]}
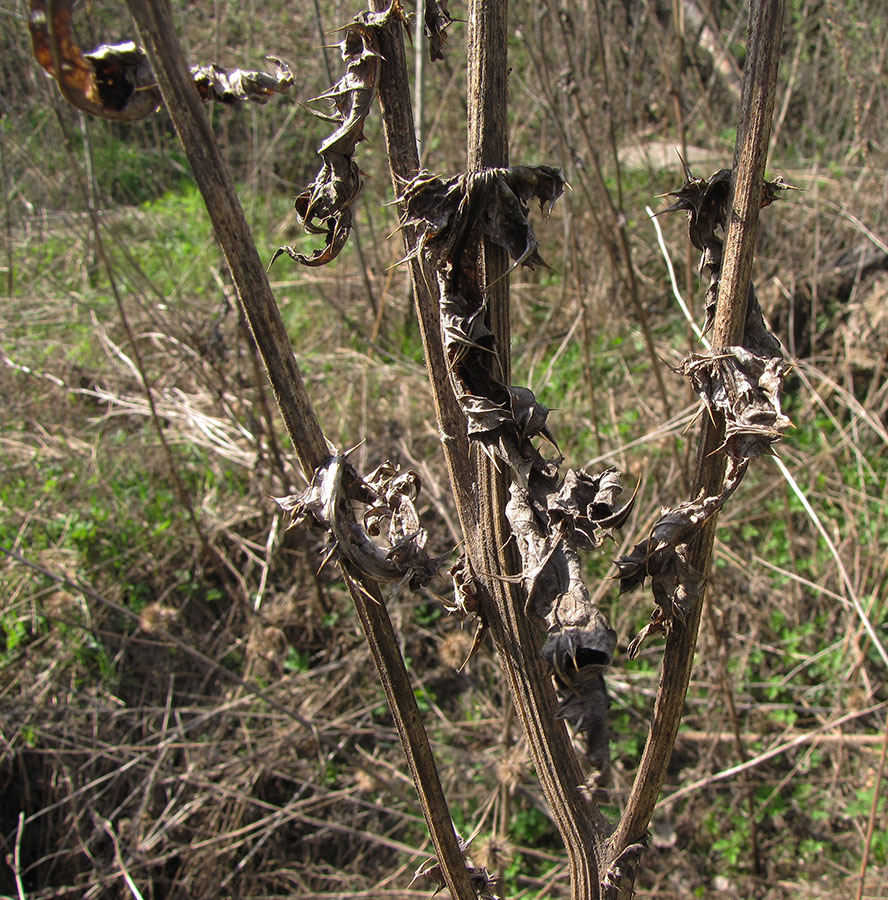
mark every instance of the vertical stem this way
{"type": "Point", "coordinates": [398, 125]}
{"type": "Point", "coordinates": [756, 109]}
{"type": "Point", "coordinates": [419, 73]}
{"type": "Point", "coordinates": [492, 548]}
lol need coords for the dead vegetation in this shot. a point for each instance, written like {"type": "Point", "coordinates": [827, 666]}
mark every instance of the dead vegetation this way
{"type": "Point", "coordinates": [188, 707]}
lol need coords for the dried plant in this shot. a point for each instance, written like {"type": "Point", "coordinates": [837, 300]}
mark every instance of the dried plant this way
{"type": "Point", "coordinates": [524, 522]}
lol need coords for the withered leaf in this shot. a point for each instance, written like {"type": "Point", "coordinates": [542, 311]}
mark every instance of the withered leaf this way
{"type": "Point", "coordinates": [746, 389]}
{"type": "Point", "coordinates": [437, 20]}
{"type": "Point", "coordinates": [492, 200]}
{"type": "Point", "coordinates": [663, 557]}
{"type": "Point", "coordinates": [116, 81]}
{"type": "Point", "coordinates": [390, 495]}
{"type": "Point", "coordinates": [483, 882]}
{"type": "Point", "coordinates": [326, 205]}
{"type": "Point", "coordinates": [231, 86]}
{"type": "Point", "coordinates": [706, 202]}
{"type": "Point", "coordinates": [551, 519]}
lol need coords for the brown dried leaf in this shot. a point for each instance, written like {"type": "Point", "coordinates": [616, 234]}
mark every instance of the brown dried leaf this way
{"type": "Point", "coordinates": [390, 495]}
{"type": "Point", "coordinates": [746, 389]}
{"type": "Point", "coordinates": [663, 557]}
{"type": "Point", "coordinates": [231, 86]}
{"type": "Point", "coordinates": [437, 20]}
{"type": "Point", "coordinates": [492, 200]}
{"type": "Point", "coordinates": [115, 81]}
{"type": "Point", "coordinates": [706, 202]}
{"type": "Point", "coordinates": [325, 206]}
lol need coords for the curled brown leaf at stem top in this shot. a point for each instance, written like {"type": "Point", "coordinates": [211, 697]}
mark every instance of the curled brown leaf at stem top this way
{"type": "Point", "coordinates": [326, 205]}
{"type": "Point", "coordinates": [116, 81]}
{"type": "Point", "coordinates": [705, 200]}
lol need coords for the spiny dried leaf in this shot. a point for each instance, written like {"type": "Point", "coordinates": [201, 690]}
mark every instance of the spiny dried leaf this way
{"type": "Point", "coordinates": [115, 81]}
{"type": "Point", "coordinates": [437, 20]}
{"type": "Point", "coordinates": [493, 201]}
{"type": "Point", "coordinates": [663, 557]}
{"type": "Point", "coordinates": [483, 882]}
{"type": "Point", "coordinates": [325, 206]}
{"type": "Point", "coordinates": [621, 872]}
{"type": "Point", "coordinates": [550, 519]}
{"type": "Point", "coordinates": [746, 389]}
{"type": "Point", "coordinates": [231, 86]}
{"type": "Point", "coordinates": [589, 503]}
{"type": "Point", "coordinates": [706, 202]}
{"type": "Point", "coordinates": [466, 589]}
{"type": "Point", "coordinates": [390, 495]}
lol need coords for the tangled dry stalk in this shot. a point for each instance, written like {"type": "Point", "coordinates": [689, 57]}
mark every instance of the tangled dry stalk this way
{"type": "Point", "coordinates": [459, 268]}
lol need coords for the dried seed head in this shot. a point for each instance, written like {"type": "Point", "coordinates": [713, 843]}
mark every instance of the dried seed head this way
{"type": "Point", "coordinates": [454, 649]}
{"type": "Point", "coordinates": [156, 617]}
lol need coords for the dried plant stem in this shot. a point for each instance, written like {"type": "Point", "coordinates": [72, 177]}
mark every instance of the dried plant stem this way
{"type": "Point", "coordinates": [7, 209]}
{"type": "Point", "coordinates": [155, 25]}
{"type": "Point", "coordinates": [403, 156]}
{"type": "Point", "coordinates": [871, 822]}
{"type": "Point", "coordinates": [757, 105]}
{"type": "Point", "coordinates": [487, 538]}
{"type": "Point", "coordinates": [493, 549]}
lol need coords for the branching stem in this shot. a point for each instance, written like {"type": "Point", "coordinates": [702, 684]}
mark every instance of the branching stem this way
{"type": "Point", "coordinates": [155, 24]}
{"type": "Point", "coordinates": [757, 105]}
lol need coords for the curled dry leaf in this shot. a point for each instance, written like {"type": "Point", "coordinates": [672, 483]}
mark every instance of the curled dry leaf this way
{"type": "Point", "coordinates": [116, 81]}
{"type": "Point", "coordinates": [437, 20]}
{"type": "Point", "coordinates": [552, 519]}
{"type": "Point", "coordinates": [389, 496]}
{"type": "Point", "coordinates": [706, 202]}
{"type": "Point", "coordinates": [325, 206]}
{"type": "Point", "coordinates": [621, 872]}
{"type": "Point", "coordinates": [483, 882]}
{"type": "Point", "coordinates": [746, 389]}
{"type": "Point", "coordinates": [492, 202]}
{"type": "Point", "coordinates": [664, 557]}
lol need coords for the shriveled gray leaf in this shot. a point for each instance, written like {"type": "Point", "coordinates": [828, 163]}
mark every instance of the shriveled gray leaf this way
{"type": "Point", "coordinates": [746, 389]}
{"type": "Point", "coordinates": [493, 201]}
{"type": "Point", "coordinates": [663, 557]}
{"type": "Point", "coordinates": [390, 496]}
